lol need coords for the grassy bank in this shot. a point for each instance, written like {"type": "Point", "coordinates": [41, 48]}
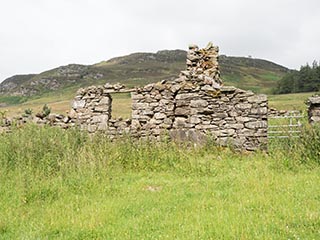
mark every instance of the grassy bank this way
{"type": "Point", "coordinates": [66, 185]}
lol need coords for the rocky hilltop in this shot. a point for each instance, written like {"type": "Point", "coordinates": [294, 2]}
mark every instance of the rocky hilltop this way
{"type": "Point", "coordinates": [138, 69]}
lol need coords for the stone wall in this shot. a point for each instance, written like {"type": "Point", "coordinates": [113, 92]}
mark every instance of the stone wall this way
{"type": "Point", "coordinates": [194, 107]}
{"type": "Point", "coordinates": [314, 109]}
{"type": "Point", "coordinates": [232, 116]}
{"type": "Point", "coordinates": [92, 107]}
{"type": "Point", "coordinates": [229, 115]}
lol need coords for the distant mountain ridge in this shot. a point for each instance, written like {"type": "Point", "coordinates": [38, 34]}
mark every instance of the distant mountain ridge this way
{"type": "Point", "coordinates": [141, 68]}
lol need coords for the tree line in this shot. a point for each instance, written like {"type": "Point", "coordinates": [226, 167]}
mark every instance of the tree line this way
{"type": "Point", "coordinates": [307, 79]}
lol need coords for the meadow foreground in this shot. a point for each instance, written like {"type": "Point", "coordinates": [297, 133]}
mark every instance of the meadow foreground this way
{"type": "Point", "coordinates": [66, 185]}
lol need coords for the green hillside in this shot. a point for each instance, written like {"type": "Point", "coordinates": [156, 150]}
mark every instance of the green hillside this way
{"type": "Point", "coordinates": [136, 69]}
{"type": "Point", "coordinates": [258, 75]}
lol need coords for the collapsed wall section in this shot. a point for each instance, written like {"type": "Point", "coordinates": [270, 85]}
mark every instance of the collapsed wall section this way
{"type": "Point", "coordinates": [193, 107]}
{"type": "Point", "coordinates": [230, 116]}
{"type": "Point", "coordinates": [196, 105]}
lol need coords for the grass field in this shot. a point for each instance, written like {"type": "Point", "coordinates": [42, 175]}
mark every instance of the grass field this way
{"type": "Point", "coordinates": [61, 104]}
{"type": "Point", "coordinates": [59, 184]}
{"type": "Point", "coordinates": [294, 101]}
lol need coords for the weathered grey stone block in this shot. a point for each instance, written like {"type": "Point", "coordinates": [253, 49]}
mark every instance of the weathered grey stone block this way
{"type": "Point", "coordinates": [241, 119]}
{"type": "Point", "coordinates": [101, 109]}
{"type": "Point", "coordinates": [148, 112]}
{"type": "Point", "coordinates": [315, 119]}
{"type": "Point", "coordinates": [100, 119]}
{"type": "Point", "coordinates": [195, 119]}
{"type": "Point", "coordinates": [234, 126]}
{"type": "Point", "coordinates": [185, 96]}
{"type": "Point", "coordinates": [256, 124]}
{"type": "Point", "coordinates": [159, 115]}
{"type": "Point", "coordinates": [243, 106]}
{"type": "Point", "coordinates": [105, 101]}
{"type": "Point", "coordinates": [182, 111]}
{"type": "Point", "coordinates": [199, 103]}
{"type": "Point", "coordinates": [78, 104]}
{"type": "Point", "coordinates": [179, 122]}
{"type": "Point", "coordinates": [257, 98]}
{"type": "Point", "coordinates": [259, 110]}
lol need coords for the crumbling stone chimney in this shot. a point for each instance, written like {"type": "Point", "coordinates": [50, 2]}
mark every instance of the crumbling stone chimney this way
{"type": "Point", "coordinates": [202, 66]}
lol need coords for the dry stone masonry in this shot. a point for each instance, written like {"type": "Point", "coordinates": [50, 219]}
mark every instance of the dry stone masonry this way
{"type": "Point", "coordinates": [314, 109]}
{"type": "Point", "coordinates": [202, 66]}
{"type": "Point", "coordinates": [92, 107]}
{"type": "Point", "coordinates": [194, 107]}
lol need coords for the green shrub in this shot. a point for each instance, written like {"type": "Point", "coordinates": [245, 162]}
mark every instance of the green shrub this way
{"type": "Point", "coordinates": [46, 110]}
{"type": "Point", "coordinates": [3, 114]}
{"type": "Point", "coordinates": [28, 111]}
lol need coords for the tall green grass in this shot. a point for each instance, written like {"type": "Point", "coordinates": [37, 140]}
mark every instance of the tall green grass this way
{"type": "Point", "coordinates": [58, 184]}
{"type": "Point", "coordinates": [52, 150]}
{"type": "Point", "coordinates": [304, 150]}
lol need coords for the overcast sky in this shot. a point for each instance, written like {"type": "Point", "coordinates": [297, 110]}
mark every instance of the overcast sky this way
{"type": "Point", "coordinates": [37, 35]}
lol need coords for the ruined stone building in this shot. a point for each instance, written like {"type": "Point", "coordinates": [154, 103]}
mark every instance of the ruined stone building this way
{"type": "Point", "coordinates": [195, 106]}
{"type": "Point", "coordinates": [314, 109]}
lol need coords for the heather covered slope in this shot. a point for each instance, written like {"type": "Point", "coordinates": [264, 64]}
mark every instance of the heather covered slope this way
{"type": "Point", "coordinates": [141, 68]}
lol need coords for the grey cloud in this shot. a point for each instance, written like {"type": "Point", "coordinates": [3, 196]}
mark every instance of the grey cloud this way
{"type": "Point", "coordinates": [37, 35]}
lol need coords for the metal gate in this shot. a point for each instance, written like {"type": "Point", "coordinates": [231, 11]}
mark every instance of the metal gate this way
{"type": "Point", "coordinates": [285, 126]}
